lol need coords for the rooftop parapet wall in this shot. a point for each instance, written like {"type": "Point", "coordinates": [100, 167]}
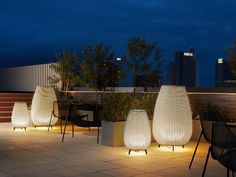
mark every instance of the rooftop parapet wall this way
{"type": "Point", "coordinates": [222, 98]}
{"type": "Point", "coordinates": [25, 78]}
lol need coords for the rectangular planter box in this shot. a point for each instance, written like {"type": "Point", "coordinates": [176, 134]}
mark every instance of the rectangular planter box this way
{"type": "Point", "coordinates": [113, 133]}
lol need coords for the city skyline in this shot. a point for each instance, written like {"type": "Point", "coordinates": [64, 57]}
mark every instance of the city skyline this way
{"type": "Point", "coordinates": [33, 31]}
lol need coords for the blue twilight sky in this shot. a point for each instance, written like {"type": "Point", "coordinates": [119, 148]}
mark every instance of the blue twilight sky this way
{"type": "Point", "coordinates": [32, 31]}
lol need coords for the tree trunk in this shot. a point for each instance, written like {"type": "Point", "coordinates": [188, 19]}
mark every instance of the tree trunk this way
{"type": "Point", "coordinates": [134, 79]}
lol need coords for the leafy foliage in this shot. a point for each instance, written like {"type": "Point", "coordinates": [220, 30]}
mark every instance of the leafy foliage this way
{"type": "Point", "coordinates": [97, 67]}
{"type": "Point", "coordinates": [64, 69]}
{"type": "Point", "coordinates": [117, 105]}
{"type": "Point", "coordinates": [144, 58]}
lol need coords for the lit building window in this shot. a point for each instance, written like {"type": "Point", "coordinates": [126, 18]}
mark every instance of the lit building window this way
{"type": "Point", "coordinates": [220, 60]}
{"type": "Point", "coordinates": [188, 54]}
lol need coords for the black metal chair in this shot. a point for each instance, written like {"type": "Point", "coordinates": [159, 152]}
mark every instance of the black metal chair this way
{"type": "Point", "coordinates": [60, 111]}
{"type": "Point", "coordinates": [77, 119]}
{"type": "Point", "coordinates": [223, 147]}
{"type": "Point", "coordinates": [207, 118]}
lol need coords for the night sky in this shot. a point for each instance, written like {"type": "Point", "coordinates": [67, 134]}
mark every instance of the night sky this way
{"type": "Point", "coordinates": [32, 31]}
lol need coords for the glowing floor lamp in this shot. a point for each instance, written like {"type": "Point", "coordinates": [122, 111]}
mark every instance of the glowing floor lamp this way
{"type": "Point", "coordinates": [137, 133]}
{"type": "Point", "coordinates": [172, 120]}
{"type": "Point", "coordinates": [20, 115]}
{"type": "Point", "coordinates": [42, 106]}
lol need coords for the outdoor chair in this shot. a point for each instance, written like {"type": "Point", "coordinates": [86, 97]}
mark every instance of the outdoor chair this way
{"type": "Point", "coordinates": [207, 118]}
{"type": "Point", "coordinates": [60, 111]}
{"type": "Point", "coordinates": [75, 118]}
{"type": "Point", "coordinates": [223, 147]}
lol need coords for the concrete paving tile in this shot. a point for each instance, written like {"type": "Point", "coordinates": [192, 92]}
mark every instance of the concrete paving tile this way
{"type": "Point", "coordinates": [124, 172]}
{"type": "Point", "coordinates": [2, 174]}
{"type": "Point", "coordinates": [41, 153]}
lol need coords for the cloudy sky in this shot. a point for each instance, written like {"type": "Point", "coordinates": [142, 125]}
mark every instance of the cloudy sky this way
{"type": "Point", "coordinates": [32, 31]}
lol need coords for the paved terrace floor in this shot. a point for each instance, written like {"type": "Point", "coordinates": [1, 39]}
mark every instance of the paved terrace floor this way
{"type": "Point", "coordinates": [38, 153]}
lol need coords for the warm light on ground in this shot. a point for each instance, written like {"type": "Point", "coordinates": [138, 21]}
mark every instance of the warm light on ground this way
{"type": "Point", "coordinates": [176, 149]}
{"type": "Point", "coordinates": [44, 128]}
{"type": "Point", "coordinates": [137, 153]}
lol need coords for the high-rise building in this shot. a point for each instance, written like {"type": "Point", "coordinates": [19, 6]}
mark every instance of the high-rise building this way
{"type": "Point", "coordinates": [183, 70]}
{"type": "Point", "coordinates": [223, 75]}
{"type": "Point", "coordinates": [171, 73]}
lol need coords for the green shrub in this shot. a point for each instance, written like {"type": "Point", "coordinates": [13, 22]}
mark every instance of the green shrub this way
{"type": "Point", "coordinates": [115, 106]}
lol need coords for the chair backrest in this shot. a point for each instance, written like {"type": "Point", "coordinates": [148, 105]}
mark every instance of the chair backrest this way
{"type": "Point", "coordinates": [74, 113]}
{"type": "Point", "coordinates": [223, 141]}
{"type": "Point", "coordinates": [42, 105]}
{"type": "Point", "coordinates": [60, 109]}
{"type": "Point", "coordinates": [207, 118]}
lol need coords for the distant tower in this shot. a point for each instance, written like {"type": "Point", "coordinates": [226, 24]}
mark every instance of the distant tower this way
{"type": "Point", "coordinates": [171, 73]}
{"type": "Point", "coordinates": [223, 74]}
{"type": "Point", "coordinates": [183, 70]}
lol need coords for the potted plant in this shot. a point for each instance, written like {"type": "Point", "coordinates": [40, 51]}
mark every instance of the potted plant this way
{"type": "Point", "coordinates": [115, 110]}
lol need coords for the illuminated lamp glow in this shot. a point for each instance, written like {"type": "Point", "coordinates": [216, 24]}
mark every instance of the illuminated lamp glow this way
{"type": "Point", "coordinates": [118, 59]}
{"type": "Point", "coordinates": [43, 128]}
{"type": "Point", "coordinates": [172, 120]}
{"type": "Point", "coordinates": [20, 117]}
{"type": "Point", "coordinates": [179, 149]}
{"type": "Point", "coordinates": [137, 133]}
{"type": "Point", "coordinates": [42, 105]}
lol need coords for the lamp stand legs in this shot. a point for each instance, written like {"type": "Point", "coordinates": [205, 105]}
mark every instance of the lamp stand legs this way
{"type": "Point", "coordinates": [173, 147]}
{"type": "Point", "coordinates": [20, 128]}
{"type": "Point", "coordinates": [145, 150]}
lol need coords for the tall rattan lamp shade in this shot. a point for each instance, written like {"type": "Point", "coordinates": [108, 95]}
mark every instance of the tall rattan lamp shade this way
{"type": "Point", "coordinates": [172, 119]}
{"type": "Point", "coordinates": [42, 106]}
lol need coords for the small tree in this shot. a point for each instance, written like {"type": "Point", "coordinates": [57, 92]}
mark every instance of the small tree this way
{"type": "Point", "coordinates": [64, 69]}
{"type": "Point", "coordinates": [232, 58]}
{"type": "Point", "coordinates": [144, 58]}
{"type": "Point", "coordinates": [96, 67]}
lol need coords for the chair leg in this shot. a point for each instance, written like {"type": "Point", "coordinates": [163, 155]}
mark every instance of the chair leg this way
{"type": "Point", "coordinates": [232, 173]}
{"type": "Point", "coordinates": [87, 120]}
{"type": "Point", "coordinates": [61, 125]}
{"type": "Point", "coordinates": [98, 135]}
{"type": "Point", "coordinates": [195, 150]}
{"type": "Point", "coordinates": [72, 130]}
{"type": "Point", "coordinates": [50, 122]}
{"type": "Point", "coordinates": [207, 157]}
{"type": "Point", "coordinates": [64, 131]}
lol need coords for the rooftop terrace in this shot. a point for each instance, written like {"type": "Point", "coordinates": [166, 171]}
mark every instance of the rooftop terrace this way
{"type": "Point", "coordinates": [39, 153]}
